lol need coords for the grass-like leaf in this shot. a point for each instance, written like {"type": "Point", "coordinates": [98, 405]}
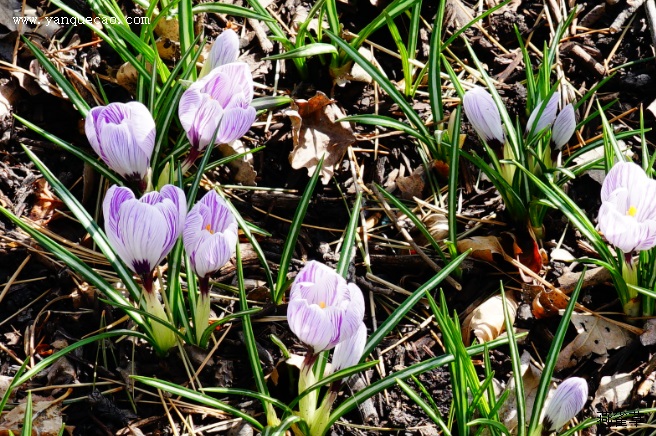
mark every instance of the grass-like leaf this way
{"type": "Point", "coordinates": [228, 9]}
{"type": "Point", "coordinates": [251, 344]}
{"type": "Point", "coordinates": [89, 225]}
{"type": "Point", "coordinates": [388, 382]}
{"type": "Point", "coordinates": [384, 83]}
{"type": "Point", "coordinates": [22, 376]}
{"type": "Point", "coordinates": [70, 91]}
{"type": "Point", "coordinates": [292, 235]}
{"type": "Point", "coordinates": [305, 51]}
{"type": "Point", "coordinates": [405, 307]}
{"type": "Point", "coordinates": [348, 242]}
{"type": "Point", "coordinates": [552, 357]}
{"type": "Point", "coordinates": [75, 151]}
{"type": "Point", "coordinates": [197, 397]}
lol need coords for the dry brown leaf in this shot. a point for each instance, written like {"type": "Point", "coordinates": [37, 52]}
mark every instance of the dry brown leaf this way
{"type": "Point", "coordinates": [243, 167]}
{"type": "Point", "coordinates": [46, 203]}
{"type": "Point", "coordinates": [506, 246]}
{"type": "Point", "coordinates": [411, 186]}
{"type": "Point", "coordinates": [531, 379]}
{"type": "Point", "coordinates": [615, 389]}
{"type": "Point", "coordinates": [47, 418]}
{"type": "Point", "coordinates": [487, 321]}
{"type": "Point", "coordinates": [316, 134]}
{"type": "Point", "coordinates": [596, 336]}
{"type": "Point", "coordinates": [548, 303]}
{"type": "Point", "coordinates": [127, 76]}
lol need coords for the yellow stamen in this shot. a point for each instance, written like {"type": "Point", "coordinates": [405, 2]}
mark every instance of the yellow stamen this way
{"type": "Point", "coordinates": [322, 305]}
{"type": "Point", "coordinates": [209, 229]}
{"type": "Point", "coordinates": [632, 211]}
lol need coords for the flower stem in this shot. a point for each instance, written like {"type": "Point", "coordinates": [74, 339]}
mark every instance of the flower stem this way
{"type": "Point", "coordinates": [630, 301]}
{"type": "Point", "coordinates": [163, 336]}
{"type": "Point", "coordinates": [308, 404]}
{"type": "Point", "coordinates": [322, 414]}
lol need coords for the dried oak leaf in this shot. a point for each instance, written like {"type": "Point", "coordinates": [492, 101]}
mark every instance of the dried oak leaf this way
{"type": "Point", "coordinates": [506, 246]}
{"type": "Point", "coordinates": [316, 134]}
{"type": "Point", "coordinates": [595, 335]}
{"type": "Point", "coordinates": [487, 321]}
{"type": "Point", "coordinates": [47, 417]}
{"type": "Point", "coordinates": [46, 203]}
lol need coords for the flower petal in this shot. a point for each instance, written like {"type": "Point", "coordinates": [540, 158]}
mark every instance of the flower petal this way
{"type": "Point", "coordinates": [225, 49]}
{"type": "Point", "coordinates": [143, 232]}
{"type": "Point", "coordinates": [623, 175]}
{"type": "Point", "coordinates": [563, 127]}
{"type": "Point", "coordinates": [189, 104]}
{"type": "Point", "coordinates": [313, 325]}
{"type": "Point", "coordinates": [123, 155]}
{"type": "Point", "coordinates": [547, 116]}
{"type": "Point", "coordinates": [567, 402]}
{"type": "Point", "coordinates": [484, 116]}
{"type": "Point", "coordinates": [213, 253]}
{"type": "Point", "coordinates": [235, 123]}
{"type": "Point", "coordinates": [349, 352]}
{"type": "Point", "coordinates": [206, 123]}
{"type": "Point", "coordinates": [142, 127]}
{"type": "Point", "coordinates": [90, 128]}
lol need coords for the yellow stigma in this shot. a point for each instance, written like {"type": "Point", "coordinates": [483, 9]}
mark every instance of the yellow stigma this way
{"type": "Point", "coordinates": [209, 229]}
{"type": "Point", "coordinates": [632, 211]}
{"type": "Point", "coordinates": [322, 305]}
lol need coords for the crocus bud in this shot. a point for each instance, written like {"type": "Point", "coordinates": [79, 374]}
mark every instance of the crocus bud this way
{"type": "Point", "coordinates": [218, 104]}
{"type": "Point", "coordinates": [144, 231]}
{"type": "Point", "coordinates": [323, 309]}
{"type": "Point", "coordinates": [567, 402]}
{"type": "Point", "coordinates": [484, 116]}
{"type": "Point", "coordinates": [627, 216]}
{"type": "Point", "coordinates": [224, 50]}
{"type": "Point", "coordinates": [349, 352]}
{"type": "Point", "coordinates": [210, 234]}
{"type": "Point", "coordinates": [547, 116]}
{"type": "Point", "coordinates": [563, 127]}
{"type": "Point", "coordinates": [123, 135]}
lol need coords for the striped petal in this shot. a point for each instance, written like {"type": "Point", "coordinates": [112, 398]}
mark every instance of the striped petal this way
{"type": "Point", "coordinates": [484, 116]}
{"type": "Point", "coordinates": [567, 402]}
{"type": "Point", "coordinates": [543, 115]}
{"type": "Point", "coordinates": [563, 127]}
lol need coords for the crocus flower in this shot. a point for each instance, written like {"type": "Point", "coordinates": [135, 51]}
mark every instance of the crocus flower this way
{"type": "Point", "coordinates": [123, 135]}
{"type": "Point", "coordinates": [349, 352]}
{"type": "Point", "coordinates": [210, 234]}
{"type": "Point", "coordinates": [535, 125]}
{"type": "Point", "coordinates": [484, 116]}
{"type": "Point", "coordinates": [224, 50]}
{"type": "Point", "coordinates": [323, 309]}
{"type": "Point", "coordinates": [627, 216]}
{"type": "Point", "coordinates": [143, 231]}
{"type": "Point", "coordinates": [563, 127]}
{"type": "Point", "coordinates": [217, 106]}
{"type": "Point", "coordinates": [567, 402]}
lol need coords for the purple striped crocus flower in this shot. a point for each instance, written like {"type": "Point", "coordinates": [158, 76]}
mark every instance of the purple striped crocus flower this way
{"type": "Point", "coordinates": [210, 238]}
{"type": "Point", "coordinates": [484, 116]}
{"type": "Point", "coordinates": [323, 309]}
{"type": "Point", "coordinates": [217, 106]}
{"type": "Point", "coordinates": [627, 216]}
{"type": "Point", "coordinates": [567, 402]}
{"type": "Point", "coordinates": [143, 231]}
{"type": "Point", "coordinates": [210, 235]}
{"type": "Point", "coordinates": [123, 135]}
